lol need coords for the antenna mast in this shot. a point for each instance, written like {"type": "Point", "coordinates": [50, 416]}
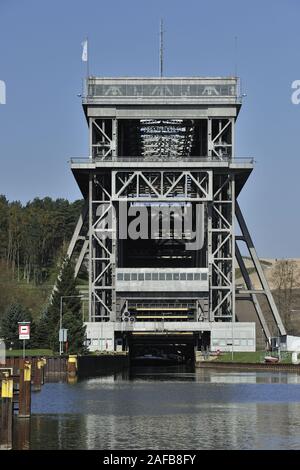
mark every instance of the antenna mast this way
{"type": "Point", "coordinates": [161, 49]}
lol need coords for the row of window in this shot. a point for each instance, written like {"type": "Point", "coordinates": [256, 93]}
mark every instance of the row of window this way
{"type": "Point", "coordinates": [162, 276]}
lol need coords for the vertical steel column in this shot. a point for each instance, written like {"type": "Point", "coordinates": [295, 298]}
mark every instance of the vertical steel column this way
{"type": "Point", "coordinates": [114, 249]}
{"type": "Point", "coordinates": [209, 138]}
{"type": "Point", "coordinates": [90, 216]}
{"type": "Point", "coordinates": [114, 140]}
{"type": "Point", "coordinates": [220, 253]}
{"type": "Point", "coordinates": [210, 256]}
{"type": "Point", "coordinates": [90, 202]}
{"type": "Point", "coordinates": [91, 138]}
{"type": "Point", "coordinates": [233, 309]}
{"type": "Point", "coordinates": [114, 240]}
{"type": "Point", "coordinates": [233, 138]}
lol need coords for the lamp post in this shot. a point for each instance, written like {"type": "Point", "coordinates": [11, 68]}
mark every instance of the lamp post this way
{"type": "Point", "coordinates": [61, 314]}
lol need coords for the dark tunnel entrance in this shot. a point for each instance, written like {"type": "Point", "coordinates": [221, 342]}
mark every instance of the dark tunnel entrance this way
{"type": "Point", "coordinates": [161, 349]}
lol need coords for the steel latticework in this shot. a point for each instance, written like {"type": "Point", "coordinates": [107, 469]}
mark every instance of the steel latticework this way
{"type": "Point", "coordinates": [164, 143]}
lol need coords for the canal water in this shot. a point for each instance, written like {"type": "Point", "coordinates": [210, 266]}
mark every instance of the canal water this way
{"type": "Point", "coordinates": [170, 408]}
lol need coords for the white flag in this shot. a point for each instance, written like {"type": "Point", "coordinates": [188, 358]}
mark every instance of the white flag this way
{"type": "Point", "coordinates": [84, 56]}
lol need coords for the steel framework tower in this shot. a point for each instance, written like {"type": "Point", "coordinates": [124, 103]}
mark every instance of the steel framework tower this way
{"type": "Point", "coordinates": [165, 142]}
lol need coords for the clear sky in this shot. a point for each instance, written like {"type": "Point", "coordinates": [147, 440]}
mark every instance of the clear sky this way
{"type": "Point", "coordinates": [42, 123]}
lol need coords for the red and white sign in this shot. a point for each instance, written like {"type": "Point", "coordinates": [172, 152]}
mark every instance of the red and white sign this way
{"type": "Point", "coordinates": [24, 330]}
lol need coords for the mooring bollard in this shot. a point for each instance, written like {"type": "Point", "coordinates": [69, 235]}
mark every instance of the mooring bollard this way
{"type": "Point", "coordinates": [25, 389]}
{"type": "Point", "coordinates": [6, 424]}
{"type": "Point", "coordinates": [72, 365]}
{"type": "Point", "coordinates": [37, 376]}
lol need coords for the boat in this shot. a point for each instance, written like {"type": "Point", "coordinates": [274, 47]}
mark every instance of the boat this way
{"type": "Point", "coordinates": [271, 360]}
{"type": "Point", "coordinates": [153, 359]}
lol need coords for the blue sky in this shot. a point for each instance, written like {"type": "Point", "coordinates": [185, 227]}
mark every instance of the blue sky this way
{"type": "Point", "coordinates": [42, 124]}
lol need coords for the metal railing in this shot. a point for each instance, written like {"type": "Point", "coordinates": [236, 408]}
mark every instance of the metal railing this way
{"type": "Point", "coordinates": [185, 88]}
{"type": "Point", "coordinates": [159, 158]}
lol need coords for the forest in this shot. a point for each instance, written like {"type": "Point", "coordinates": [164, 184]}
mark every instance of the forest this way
{"type": "Point", "coordinates": [32, 234]}
{"type": "Point", "coordinates": [33, 240]}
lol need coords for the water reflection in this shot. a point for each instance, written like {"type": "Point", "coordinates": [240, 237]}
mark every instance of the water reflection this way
{"type": "Point", "coordinates": [184, 373]}
{"type": "Point", "coordinates": [170, 408]}
{"type": "Point", "coordinates": [223, 427]}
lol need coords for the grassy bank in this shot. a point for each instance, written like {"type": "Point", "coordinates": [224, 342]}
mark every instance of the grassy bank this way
{"type": "Point", "coordinates": [251, 357]}
{"type": "Point", "coordinates": [29, 352]}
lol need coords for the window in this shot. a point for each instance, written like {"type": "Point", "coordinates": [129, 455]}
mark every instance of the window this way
{"type": "Point", "coordinates": [236, 342]}
{"type": "Point", "coordinates": [169, 276]}
{"type": "Point", "coordinates": [189, 276]}
{"type": "Point", "coordinates": [148, 276]}
{"type": "Point", "coordinates": [162, 276]}
{"type": "Point", "coordinates": [154, 276]}
{"type": "Point", "coordinates": [183, 276]}
{"type": "Point", "coordinates": [250, 342]}
{"type": "Point", "coordinates": [134, 276]}
{"type": "Point", "coordinates": [141, 276]}
{"type": "Point", "coordinates": [204, 277]}
{"type": "Point", "coordinates": [127, 277]}
{"type": "Point", "coordinates": [176, 276]}
{"type": "Point", "coordinates": [120, 276]}
{"type": "Point", "coordinates": [197, 276]}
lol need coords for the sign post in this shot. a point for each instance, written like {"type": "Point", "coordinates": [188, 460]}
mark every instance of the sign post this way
{"type": "Point", "coordinates": [63, 338]}
{"type": "Point", "coordinates": [24, 333]}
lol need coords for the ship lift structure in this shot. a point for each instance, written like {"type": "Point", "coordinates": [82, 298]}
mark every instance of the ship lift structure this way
{"type": "Point", "coordinates": [166, 144]}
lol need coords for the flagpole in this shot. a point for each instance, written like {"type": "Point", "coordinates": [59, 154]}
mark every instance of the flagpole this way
{"type": "Point", "coordinates": [87, 62]}
{"type": "Point", "coordinates": [85, 58]}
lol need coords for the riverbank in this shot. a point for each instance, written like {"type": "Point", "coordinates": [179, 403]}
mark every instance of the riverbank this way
{"type": "Point", "coordinates": [248, 366]}
{"type": "Point", "coordinates": [247, 361]}
{"type": "Point", "coordinates": [252, 357]}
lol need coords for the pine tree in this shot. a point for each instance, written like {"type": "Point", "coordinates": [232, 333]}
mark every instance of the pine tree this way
{"type": "Point", "coordinates": [41, 338]}
{"type": "Point", "coordinates": [9, 328]}
{"type": "Point", "coordinates": [67, 295]}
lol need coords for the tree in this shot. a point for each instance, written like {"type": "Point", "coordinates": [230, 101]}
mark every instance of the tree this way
{"type": "Point", "coordinates": [67, 293]}
{"type": "Point", "coordinates": [9, 328]}
{"type": "Point", "coordinates": [285, 279]}
{"type": "Point", "coordinates": [41, 338]}
{"type": "Point", "coordinates": [76, 333]}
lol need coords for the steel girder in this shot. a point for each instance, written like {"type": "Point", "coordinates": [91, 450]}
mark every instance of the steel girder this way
{"type": "Point", "coordinates": [104, 195]}
{"type": "Point", "coordinates": [220, 138]}
{"type": "Point", "coordinates": [162, 185]}
{"type": "Point", "coordinates": [265, 289]}
{"type": "Point", "coordinates": [103, 137]}
{"type": "Point", "coordinates": [221, 249]}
